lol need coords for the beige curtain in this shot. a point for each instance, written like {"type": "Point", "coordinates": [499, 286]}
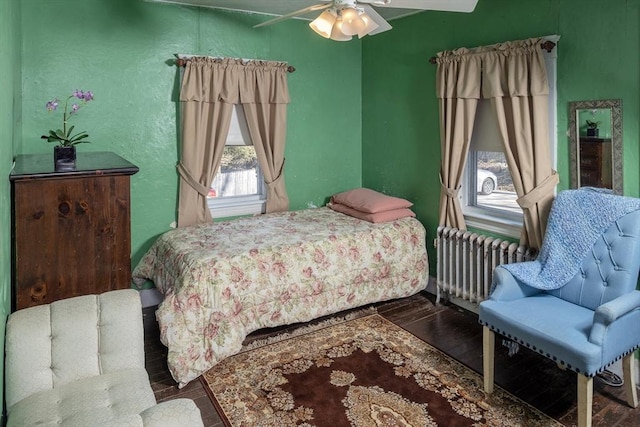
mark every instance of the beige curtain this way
{"type": "Point", "coordinates": [515, 80]}
{"type": "Point", "coordinates": [458, 91]}
{"type": "Point", "coordinates": [210, 89]}
{"type": "Point", "coordinates": [513, 76]}
{"type": "Point", "coordinates": [264, 101]}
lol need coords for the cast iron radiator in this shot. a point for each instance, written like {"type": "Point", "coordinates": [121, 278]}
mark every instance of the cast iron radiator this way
{"type": "Point", "coordinates": [465, 263]}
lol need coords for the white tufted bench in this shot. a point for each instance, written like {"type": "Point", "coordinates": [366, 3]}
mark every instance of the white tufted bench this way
{"type": "Point", "coordinates": [80, 362]}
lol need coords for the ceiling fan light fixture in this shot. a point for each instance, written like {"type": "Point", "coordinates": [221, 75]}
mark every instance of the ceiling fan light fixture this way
{"type": "Point", "coordinates": [348, 14]}
{"type": "Point", "coordinates": [369, 25]}
{"type": "Point", "coordinates": [352, 22]}
{"type": "Point", "coordinates": [337, 34]}
{"type": "Point", "coordinates": [324, 23]}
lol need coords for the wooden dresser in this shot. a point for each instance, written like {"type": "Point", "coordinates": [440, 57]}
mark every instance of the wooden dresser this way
{"type": "Point", "coordinates": [595, 162]}
{"type": "Point", "coordinates": [70, 230]}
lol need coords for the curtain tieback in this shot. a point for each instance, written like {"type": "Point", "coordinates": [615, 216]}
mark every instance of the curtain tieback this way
{"type": "Point", "coordinates": [278, 177]}
{"type": "Point", "coordinates": [450, 192]}
{"type": "Point", "coordinates": [541, 191]}
{"type": "Point", "coordinates": [184, 173]}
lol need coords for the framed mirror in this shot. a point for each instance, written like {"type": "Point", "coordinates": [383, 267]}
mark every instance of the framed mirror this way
{"type": "Point", "coordinates": [595, 144]}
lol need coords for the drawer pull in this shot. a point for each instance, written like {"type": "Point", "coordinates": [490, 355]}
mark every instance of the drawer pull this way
{"type": "Point", "coordinates": [64, 208]}
{"type": "Point", "coordinates": [38, 292]}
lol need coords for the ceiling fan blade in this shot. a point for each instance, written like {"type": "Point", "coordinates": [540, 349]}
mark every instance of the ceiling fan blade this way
{"type": "Point", "coordinates": [444, 5]}
{"type": "Point", "coordinates": [383, 25]}
{"type": "Point", "coordinates": [313, 8]}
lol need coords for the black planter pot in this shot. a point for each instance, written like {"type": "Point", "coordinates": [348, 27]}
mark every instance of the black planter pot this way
{"type": "Point", "coordinates": [64, 158]}
{"type": "Point", "coordinates": [592, 132]}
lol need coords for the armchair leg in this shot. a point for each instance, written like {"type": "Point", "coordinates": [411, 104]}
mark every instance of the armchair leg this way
{"type": "Point", "coordinates": [629, 374]}
{"type": "Point", "coordinates": [488, 354]}
{"type": "Point", "coordinates": [585, 400]}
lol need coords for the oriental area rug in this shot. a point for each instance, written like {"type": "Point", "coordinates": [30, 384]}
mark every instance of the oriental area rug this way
{"type": "Point", "coordinates": [362, 372]}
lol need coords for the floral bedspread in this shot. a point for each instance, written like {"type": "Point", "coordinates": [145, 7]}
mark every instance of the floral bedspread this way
{"type": "Point", "coordinates": [224, 280]}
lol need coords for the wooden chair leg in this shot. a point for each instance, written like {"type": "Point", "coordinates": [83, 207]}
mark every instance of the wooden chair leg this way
{"type": "Point", "coordinates": [488, 354]}
{"type": "Point", "coordinates": [585, 400]}
{"type": "Point", "coordinates": [629, 375]}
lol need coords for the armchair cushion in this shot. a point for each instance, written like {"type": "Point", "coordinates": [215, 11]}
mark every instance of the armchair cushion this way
{"type": "Point", "coordinates": [534, 322]}
{"type": "Point", "coordinates": [177, 412]}
{"type": "Point", "coordinates": [80, 362]}
{"type": "Point", "coordinates": [93, 401]}
{"type": "Point", "coordinates": [610, 269]}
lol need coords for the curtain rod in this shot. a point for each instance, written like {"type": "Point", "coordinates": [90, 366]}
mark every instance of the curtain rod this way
{"type": "Point", "coordinates": [547, 45]}
{"type": "Point", "coordinates": [182, 62]}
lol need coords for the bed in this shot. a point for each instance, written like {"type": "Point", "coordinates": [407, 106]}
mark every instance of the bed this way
{"type": "Point", "coordinates": [224, 280]}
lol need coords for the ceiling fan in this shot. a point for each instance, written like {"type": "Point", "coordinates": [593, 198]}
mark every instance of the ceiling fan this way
{"type": "Point", "coordinates": [340, 20]}
{"type": "Point", "coordinates": [362, 17]}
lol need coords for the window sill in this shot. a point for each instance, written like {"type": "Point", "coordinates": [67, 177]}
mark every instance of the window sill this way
{"type": "Point", "coordinates": [223, 209]}
{"type": "Point", "coordinates": [484, 220]}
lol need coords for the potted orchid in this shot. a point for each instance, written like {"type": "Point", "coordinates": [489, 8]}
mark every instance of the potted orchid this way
{"type": "Point", "coordinates": [592, 127]}
{"type": "Point", "coordinates": [65, 151]}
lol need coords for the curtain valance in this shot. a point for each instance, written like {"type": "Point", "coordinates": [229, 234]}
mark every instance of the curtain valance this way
{"type": "Point", "coordinates": [234, 81]}
{"type": "Point", "coordinates": [499, 70]}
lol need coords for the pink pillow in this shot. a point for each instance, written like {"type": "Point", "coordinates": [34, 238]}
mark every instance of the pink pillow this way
{"type": "Point", "coordinates": [370, 201]}
{"type": "Point", "coordinates": [384, 216]}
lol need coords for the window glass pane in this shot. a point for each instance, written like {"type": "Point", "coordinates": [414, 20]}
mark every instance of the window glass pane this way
{"type": "Point", "coordinates": [238, 174]}
{"type": "Point", "coordinates": [494, 187]}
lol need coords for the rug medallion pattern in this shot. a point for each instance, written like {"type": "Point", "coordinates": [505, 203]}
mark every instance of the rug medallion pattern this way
{"type": "Point", "coordinates": [363, 372]}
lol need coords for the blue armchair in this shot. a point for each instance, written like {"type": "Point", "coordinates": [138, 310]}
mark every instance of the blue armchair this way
{"type": "Point", "coordinates": [587, 323]}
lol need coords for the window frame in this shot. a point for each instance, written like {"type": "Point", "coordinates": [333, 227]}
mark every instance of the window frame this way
{"type": "Point", "coordinates": [484, 217]}
{"type": "Point", "coordinates": [252, 204]}
{"type": "Point", "coordinates": [497, 220]}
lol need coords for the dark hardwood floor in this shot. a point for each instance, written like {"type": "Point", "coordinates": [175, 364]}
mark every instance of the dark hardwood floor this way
{"type": "Point", "coordinates": [456, 332]}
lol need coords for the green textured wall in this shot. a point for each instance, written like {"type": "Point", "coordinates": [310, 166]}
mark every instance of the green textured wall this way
{"type": "Point", "coordinates": [9, 118]}
{"type": "Point", "coordinates": [597, 59]}
{"type": "Point", "coordinates": [120, 50]}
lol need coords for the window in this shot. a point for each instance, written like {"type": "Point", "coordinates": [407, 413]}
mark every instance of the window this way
{"type": "Point", "coordinates": [238, 186]}
{"type": "Point", "coordinates": [487, 196]}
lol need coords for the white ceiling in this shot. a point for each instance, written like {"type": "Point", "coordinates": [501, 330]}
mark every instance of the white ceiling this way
{"type": "Point", "coordinates": [283, 7]}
